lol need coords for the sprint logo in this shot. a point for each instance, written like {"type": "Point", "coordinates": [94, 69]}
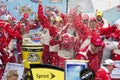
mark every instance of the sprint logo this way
{"type": "Point", "coordinates": [48, 76]}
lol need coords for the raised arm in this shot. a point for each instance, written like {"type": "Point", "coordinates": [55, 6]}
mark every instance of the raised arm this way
{"type": "Point", "coordinates": [41, 17]}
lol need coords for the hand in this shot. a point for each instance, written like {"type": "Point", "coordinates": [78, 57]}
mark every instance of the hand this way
{"type": "Point", "coordinates": [5, 49]}
{"type": "Point", "coordinates": [69, 24]}
{"type": "Point", "coordinates": [40, 2]}
{"type": "Point", "coordinates": [10, 54]}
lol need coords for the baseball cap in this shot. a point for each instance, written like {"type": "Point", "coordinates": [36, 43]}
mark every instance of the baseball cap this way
{"type": "Point", "coordinates": [25, 15]}
{"type": "Point", "coordinates": [9, 16]}
{"type": "Point", "coordinates": [99, 13]}
{"type": "Point", "coordinates": [93, 19]}
{"type": "Point", "coordinates": [109, 62]}
{"type": "Point", "coordinates": [97, 41]}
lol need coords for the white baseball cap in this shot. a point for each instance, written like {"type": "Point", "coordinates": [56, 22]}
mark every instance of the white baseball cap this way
{"type": "Point", "coordinates": [7, 16]}
{"type": "Point", "coordinates": [109, 62]}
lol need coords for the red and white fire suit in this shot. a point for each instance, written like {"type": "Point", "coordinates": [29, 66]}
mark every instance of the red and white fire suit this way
{"type": "Point", "coordinates": [54, 48]}
{"type": "Point", "coordinates": [24, 26]}
{"type": "Point", "coordinates": [103, 24]}
{"type": "Point", "coordinates": [45, 37]}
{"type": "Point", "coordinates": [103, 74]}
{"type": "Point", "coordinates": [93, 30]}
{"type": "Point", "coordinates": [108, 32]}
{"type": "Point", "coordinates": [66, 48]}
{"type": "Point", "coordinates": [4, 40]}
{"type": "Point", "coordinates": [116, 52]}
{"type": "Point", "coordinates": [114, 33]}
{"type": "Point", "coordinates": [95, 58]}
{"type": "Point", "coordinates": [12, 32]}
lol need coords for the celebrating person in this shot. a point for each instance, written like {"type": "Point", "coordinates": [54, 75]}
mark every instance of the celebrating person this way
{"type": "Point", "coordinates": [94, 51]}
{"type": "Point", "coordinates": [104, 72]}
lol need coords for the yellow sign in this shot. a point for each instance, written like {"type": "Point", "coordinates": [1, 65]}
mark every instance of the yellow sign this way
{"type": "Point", "coordinates": [47, 73]}
{"type": "Point", "coordinates": [31, 55]}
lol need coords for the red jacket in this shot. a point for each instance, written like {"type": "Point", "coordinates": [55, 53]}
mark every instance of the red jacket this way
{"type": "Point", "coordinates": [13, 30]}
{"type": "Point", "coordinates": [103, 74]}
{"type": "Point", "coordinates": [94, 58]}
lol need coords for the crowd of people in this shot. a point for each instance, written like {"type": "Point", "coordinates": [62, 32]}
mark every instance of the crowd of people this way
{"type": "Point", "coordinates": [69, 31]}
{"type": "Point", "coordinates": [11, 36]}
{"type": "Point", "coordinates": [62, 38]}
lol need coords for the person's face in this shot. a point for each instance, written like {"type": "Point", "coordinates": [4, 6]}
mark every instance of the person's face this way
{"type": "Point", "coordinates": [70, 30]}
{"type": "Point", "coordinates": [96, 49]}
{"type": "Point", "coordinates": [92, 24]}
{"type": "Point", "coordinates": [85, 21]}
{"type": "Point", "coordinates": [48, 13]}
{"type": "Point", "coordinates": [10, 21]}
{"type": "Point", "coordinates": [23, 20]}
{"type": "Point", "coordinates": [111, 68]}
{"type": "Point", "coordinates": [13, 78]}
{"type": "Point", "coordinates": [58, 24]}
{"type": "Point", "coordinates": [99, 18]}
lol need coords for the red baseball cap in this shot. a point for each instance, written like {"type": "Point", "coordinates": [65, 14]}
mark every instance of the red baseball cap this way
{"type": "Point", "coordinates": [97, 41]}
{"type": "Point", "coordinates": [93, 19]}
{"type": "Point", "coordinates": [25, 15]}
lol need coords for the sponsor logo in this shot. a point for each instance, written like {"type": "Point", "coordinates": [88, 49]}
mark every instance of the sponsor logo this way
{"type": "Point", "coordinates": [87, 74]}
{"type": "Point", "coordinates": [49, 76]}
{"type": "Point", "coordinates": [33, 57]}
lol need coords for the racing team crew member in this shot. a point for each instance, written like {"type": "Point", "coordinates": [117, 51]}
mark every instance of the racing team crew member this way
{"type": "Point", "coordinates": [104, 72]}
{"type": "Point", "coordinates": [94, 51]}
